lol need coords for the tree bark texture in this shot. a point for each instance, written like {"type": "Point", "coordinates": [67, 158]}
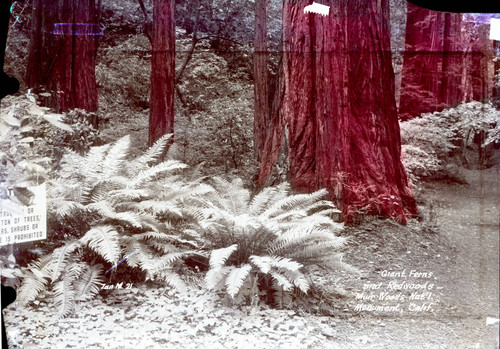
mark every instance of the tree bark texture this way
{"type": "Point", "coordinates": [261, 79]}
{"type": "Point", "coordinates": [496, 75]}
{"type": "Point", "coordinates": [64, 62]}
{"type": "Point", "coordinates": [478, 85]}
{"type": "Point", "coordinates": [161, 118]}
{"type": "Point", "coordinates": [451, 90]}
{"type": "Point", "coordinates": [422, 59]}
{"type": "Point", "coordinates": [339, 108]}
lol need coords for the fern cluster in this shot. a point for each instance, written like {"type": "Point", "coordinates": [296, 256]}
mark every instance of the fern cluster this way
{"type": "Point", "coordinates": [146, 213]}
{"type": "Point", "coordinates": [131, 208]}
{"type": "Point", "coordinates": [265, 244]}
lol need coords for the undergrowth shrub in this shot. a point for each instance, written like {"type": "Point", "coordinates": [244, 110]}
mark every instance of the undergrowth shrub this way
{"type": "Point", "coordinates": [263, 247]}
{"type": "Point", "coordinates": [25, 128]}
{"type": "Point", "coordinates": [130, 209]}
{"type": "Point", "coordinates": [466, 134]}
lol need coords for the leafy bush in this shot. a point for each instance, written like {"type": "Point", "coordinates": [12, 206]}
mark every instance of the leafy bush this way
{"type": "Point", "coordinates": [25, 128]}
{"type": "Point", "coordinates": [109, 206]}
{"type": "Point", "coordinates": [477, 126]}
{"type": "Point", "coordinates": [431, 140]}
{"type": "Point", "coordinates": [215, 124]}
{"type": "Point", "coordinates": [265, 245]}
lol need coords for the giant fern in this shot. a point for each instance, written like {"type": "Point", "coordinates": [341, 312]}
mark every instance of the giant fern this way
{"type": "Point", "coordinates": [273, 236]}
{"type": "Point", "coordinates": [132, 207]}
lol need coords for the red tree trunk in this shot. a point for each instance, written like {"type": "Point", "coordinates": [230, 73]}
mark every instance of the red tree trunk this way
{"type": "Point", "coordinates": [161, 117]}
{"type": "Point", "coordinates": [339, 108]}
{"type": "Point", "coordinates": [63, 61]}
{"type": "Point", "coordinates": [261, 80]}
{"type": "Point", "coordinates": [496, 75]}
{"type": "Point", "coordinates": [451, 90]}
{"type": "Point", "coordinates": [422, 59]}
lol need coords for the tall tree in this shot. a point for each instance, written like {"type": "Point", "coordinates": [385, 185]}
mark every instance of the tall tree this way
{"type": "Point", "coordinates": [421, 62]}
{"type": "Point", "coordinates": [339, 108]}
{"type": "Point", "coordinates": [62, 52]}
{"type": "Point", "coordinates": [451, 91]}
{"type": "Point", "coordinates": [496, 70]}
{"type": "Point", "coordinates": [161, 117]}
{"type": "Point", "coordinates": [433, 61]}
{"type": "Point", "coordinates": [261, 78]}
{"type": "Point", "coordinates": [476, 78]}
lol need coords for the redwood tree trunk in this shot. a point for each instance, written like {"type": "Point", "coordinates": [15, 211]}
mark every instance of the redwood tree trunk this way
{"type": "Point", "coordinates": [339, 108]}
{"type": "Point", "coordinates": [451, 90]}
{"type": "Point", "coordinates": [421, 73]}
{"type": "Point", "coordinates": [261, 79]}
{"type": "Point", "coordinates": [63, 61]}
{"type": "Point", "coordinates": [161, 118]}
{"type": "Point", "coordinates": [496, 75]}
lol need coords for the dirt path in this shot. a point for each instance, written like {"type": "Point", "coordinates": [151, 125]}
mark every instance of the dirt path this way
{"type": "Point", "coordinates": [468, 216]}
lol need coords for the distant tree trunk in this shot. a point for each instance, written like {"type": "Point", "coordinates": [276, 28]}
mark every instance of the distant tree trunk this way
{"type": "Point", "coordinates": [161, 118]}
{"type": "Point", "coordinates": [496, 75]}
{"type": "Point", "coordinates": [451, 90]}
{"type": "Point", "coordinates": [423, 56]}
{"type": "Point", "coordinates": [63, 61]}
{"type": "Point", "coordinates": [261, 78]}
{"type": "Point", "coordinates": [339, 108]}
{"type": "Point", "coordinates": [478, 84]}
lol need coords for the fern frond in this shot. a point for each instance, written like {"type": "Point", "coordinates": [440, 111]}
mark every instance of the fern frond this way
{"type": "Point", "coordinates": [160, 207]}
{"type": "Point", "coordinates": [154, 152]}
{"type": "Point", "coordinates": [286, 264]}
{"type": "Point", "coordinates": [263, 263]}
{"type": "Point", "coordinates": [231, 196]}
{"type": "Point", "coordinates": [281, 280]}
{"type": "Point", "coordinates": [64, 295]}
{"type": "Point", "coordinates": [67, 208]}
{"type": "Point", "coordinates": [236, 278]}
{"type": "Point", "coordinates": [186, 191]}
{"type": "Point", "coordinates": [214, 279]}
{"type": "Point", "coordinates": [146, 259]}
{"type": "Point", "coordinates": [268, 195]}
{"type": "Point", "coordinates": [32, 285]}
{"type": "Point", "coordinates": [294, 202]}
{"type": "Point", "coordinates": [103, 240]}
{"type": "Point", "coordinates": [105, 210]}
{"type": "Point", "coordinates": [127, 194]}
{"type": "Point", "coordinates": [167, 260]}
{"type": "Point", "coordinates": [297, 279]}
{"type": "Point", "coordinates": [132, 245]}
{"type": "Point", "coordinates": [172, 279]}
{"type": "Point", "coordinates": [89, 282]}
{"type": "Point", "coordinates": [219, 256]}
{"type": "Point", "coordinates": [115, 157]}
{"type": "Point", "coordinates": [168, 237]}
{"type": "Point", "coordinates": [297, 237]}
{"type": "Point", "coordinates": [147, 175]}
{"type": "Point", "coordinates": [59, 260]}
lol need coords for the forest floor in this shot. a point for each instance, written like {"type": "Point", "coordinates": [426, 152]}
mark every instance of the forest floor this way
{"type": "Point", "coordinates": [437, 280]}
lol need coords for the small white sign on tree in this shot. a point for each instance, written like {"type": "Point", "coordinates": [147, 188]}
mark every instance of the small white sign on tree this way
{"type": "Point", "coordinates": [495, 29]}
{"type": "Point", "coordinates": [317, 8]}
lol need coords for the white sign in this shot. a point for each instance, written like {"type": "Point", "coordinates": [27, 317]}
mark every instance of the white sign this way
{"type": "Point", "coordinates": [317, 8]}
{"type": "Point", "coordinates": [495, 29]}
{"type": "Point", "coordinates": [19, 223]}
